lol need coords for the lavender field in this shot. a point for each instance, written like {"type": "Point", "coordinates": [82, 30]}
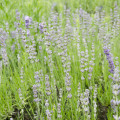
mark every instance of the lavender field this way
{"type": "Point", "coordinates": [59, 60]}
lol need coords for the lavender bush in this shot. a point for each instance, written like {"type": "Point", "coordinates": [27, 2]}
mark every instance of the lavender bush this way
{"type": "Point", "coordinates": [63, 66]}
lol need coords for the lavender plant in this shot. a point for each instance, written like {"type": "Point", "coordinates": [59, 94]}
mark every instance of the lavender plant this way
{"type": "Point", "coordinates": [64, 65]}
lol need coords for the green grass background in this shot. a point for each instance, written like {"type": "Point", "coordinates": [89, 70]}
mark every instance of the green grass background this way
{"type": "Point", "coordinates": [38, 8]}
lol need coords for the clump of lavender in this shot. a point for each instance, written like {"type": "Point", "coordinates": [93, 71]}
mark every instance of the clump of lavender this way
{"type": "Point", "coordinates": [115, 102]}
{"type": "Point", "coordinates": [85, 104]}
{"type": "Point", "coordinates": [17, 18]}
{"type": "Point", "coordinates": [82, 66]}
{"type": "Point", "coordinates": [90, 70]}
{"type": "Point", "coordinates": [32, 51]}
{"type": "Point", "coordinates": [91, 63]}
{"type": "Point", "coordinates": [41, 27]}
{"type": "Point", "coordinates": [60, 40]}
{"type": "Point", "coordinates": [4, 56]}
{"type": "Point", "coordinates": [94, 101]}
{"type": "Point", "coordinates": [48, 90]}
{"type": "Point", "coordinates": [79, 94]}
{"type": "Point", "coordinates": [27, 21]}
{"type": "Point", "coordinates": [36, 93]}
{"type": "Point", "coordinates": [110, 60]}
{"type": "Point", "coordinates": [59, 110]}
{"type": "Point", "coordinates": [48, 114]}
{"type": "Point", "coordinates": [17, 15]}
{"type": "Point", "coordinates": [3, 38]}
{"type": "Point", "coordinates": [36, 87]}
{"type": "Point", "coordinates": [24, 41]}
{"type": "Point", "coordinates": [21, 99]}
{"type": "Point", "coordinates": [82, 61]}
{"type": "Point", "coordinates": [20, 95]}
{"type": "Point", "coordinates": [68, 78]}
{"type": "Point", "coordinates": [21, 75]}
{"type": "Point", "coordinates": [27, 24]}
{"type": "Point", "coordinates": [59, 105]}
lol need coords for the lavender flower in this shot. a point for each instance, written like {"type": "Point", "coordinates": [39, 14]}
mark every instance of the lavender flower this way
{"type": "Point", "coordinates": [94, 101]}
{"type": "Point", "coordinates": [36, 88]}
{"type": "Point", "coordinates": [84, 98]}
{"type": "Point", "coordinates": [48, 114]}
{"type": "Point", "coordinates": [21, 75]}
{"type": "Point", "coordinates": [17, 15]}
{"type": "Point", "coordinates": [41, 27]}
{"type": "Point", "coordinates": [48, 89]}
{"type": "Point", "coordinates": [110, 60]}
{"type": "Point", "coordinates": [27, 21]}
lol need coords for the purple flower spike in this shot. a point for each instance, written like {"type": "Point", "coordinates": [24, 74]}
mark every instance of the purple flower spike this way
{"type": "Point", "coordinates": [27, 21]}
{"type": "Point", "coordinates": [106, 51]}
{"type": "Point", "coordinates": [111, 71]}
{"type": "Point", "coordinates": [110, 60]}
{"type": "Point", "coordinates": [41, 27]}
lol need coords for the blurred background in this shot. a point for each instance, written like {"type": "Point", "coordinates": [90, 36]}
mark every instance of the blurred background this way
{"type": "Point", "coordinates": [38, 8]}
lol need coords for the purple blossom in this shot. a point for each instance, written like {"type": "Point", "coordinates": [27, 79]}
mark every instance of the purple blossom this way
{"type": "Point", "coordinates": [41, 28]}
{"type": "Point", "coordinates": [28, 32]}
{"type": "Point", "coordinates": [17, 15]}
{"type": "Point", "coordinates": [27, 20]}
{"type": "Point", "coordinates": [110, 60]}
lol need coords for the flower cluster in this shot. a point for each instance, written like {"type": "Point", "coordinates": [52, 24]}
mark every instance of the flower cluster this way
{"type": "Point", "coordinates": [36, 86]}
{"type": "Point", "coordinates": [110, 60]}
{"type": "Point", "coordinates": [115, 102]}
{"type": "Point", "coordinates": [59, 105]}
{"type": "Point", "coordinates": [41, 27]}
{"type": "Point", "coordinates": [94, 101]}
{"type": "Point", "coordinates": [85, 104]}
{"type": "Point", "coordinates": [48, 90]}
{"type": "Point", "coordinates": [27, 21]}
